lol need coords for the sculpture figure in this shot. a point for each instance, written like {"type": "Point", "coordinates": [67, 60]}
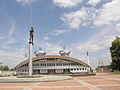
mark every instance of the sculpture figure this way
{"type": "Point", "coordinates": [31, 35]}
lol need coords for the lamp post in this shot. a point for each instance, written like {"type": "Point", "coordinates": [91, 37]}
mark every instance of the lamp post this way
{"type": "Point", "coordinates": [88, 58]}
{"type": "Point", "coordinates": [30, 50]}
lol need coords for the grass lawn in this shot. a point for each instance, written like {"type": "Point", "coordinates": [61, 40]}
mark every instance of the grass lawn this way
{"type": "Point", "coordinates": [115, 72]}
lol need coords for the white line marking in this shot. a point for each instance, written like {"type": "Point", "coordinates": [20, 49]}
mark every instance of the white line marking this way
{"type": "Point", "coordinates": [91, 87]}
{"type": "Point", "coordinates": [13, 86]}
{"type": "Point", "coordinates": [110, 78]}
{"type": "Point", "coordinates": [31, 86]}
{"type": "Point", "coordinates": [111, 85]}
{"type": "Point", "coordinates": [95, 80]}
{"type": "Point", "coordinates": [59, 86]}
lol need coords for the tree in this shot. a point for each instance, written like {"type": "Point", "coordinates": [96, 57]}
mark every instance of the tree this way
{"type": "Point", "coordinates": [1, 67]}
{"type": "Point", "coordinates": [12, 69]}
{"type": "Point", "coordinates": [115, 54]}
{"type": "Point", "coordinates": [6, 68]}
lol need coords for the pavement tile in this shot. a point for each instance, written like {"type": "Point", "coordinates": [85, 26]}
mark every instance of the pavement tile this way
{"type": "Point", "coordinates": [61, 83]}
{"type": "Point", "coordinates": [115, 77]}
{"type": "Point", "coordinates": [110, 88]}
{"type": "Point", "coordinates": [10, 88]}
{"type": "Point", "coordinates": [15, 84]}
{"type": "Point", "coordinates": [89, 78]}
{"type": "Point", "coordinates": [79, 88]}
{"type": "Point", "coordinates": [103, 82]}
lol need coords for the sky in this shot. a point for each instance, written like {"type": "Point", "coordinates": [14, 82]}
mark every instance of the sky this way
{"type": "Point", "coordinates": [79, 25]}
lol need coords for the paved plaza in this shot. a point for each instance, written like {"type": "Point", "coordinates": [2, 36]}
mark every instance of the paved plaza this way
{"type": "Point", "coordinates": [98, 82]}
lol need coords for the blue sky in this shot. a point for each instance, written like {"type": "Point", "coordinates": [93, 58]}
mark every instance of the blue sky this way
{"type": "Point", "coordinates": [80, 25]}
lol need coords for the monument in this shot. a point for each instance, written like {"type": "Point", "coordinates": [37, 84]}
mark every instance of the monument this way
{"type": "Point", "coordinates": [30, 50]}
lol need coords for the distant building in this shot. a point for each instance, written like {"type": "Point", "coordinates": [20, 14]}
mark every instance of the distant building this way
{"type": "Point", "coordinates": [54, 64]}
{"type": "Point", "coordinates": [103, 68]}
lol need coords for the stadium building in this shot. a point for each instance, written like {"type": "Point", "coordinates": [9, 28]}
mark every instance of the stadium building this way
{"type": "Point", "coordinates": [53, 64]}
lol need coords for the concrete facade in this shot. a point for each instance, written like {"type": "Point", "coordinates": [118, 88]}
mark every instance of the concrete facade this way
{"type": "Point", "coordinates": [54, 64]}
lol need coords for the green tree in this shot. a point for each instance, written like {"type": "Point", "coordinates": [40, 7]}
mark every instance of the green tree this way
{"type": "Point", "coordinates": [115, 54]}
{"type": "Point", "coordinates": [1, 68]}
{"type": "Point", "coordinates": [5, 68]}
{"type": "Point", "coordinates": [12, 69]}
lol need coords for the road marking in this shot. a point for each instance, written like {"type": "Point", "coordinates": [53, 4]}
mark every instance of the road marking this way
{"type": "Point", "coordinates": [13, 86]}
{"type": "Point", "coordinates": [95, 80]}
{"type": "Point", "coordinates": [35, 86]}
{"type": "Point", "coordinates": [91, 87]}
{"type": "Point", "coordinates": [110, 78]}
{"type": "Point", "coordinates": [31, 86]}
{"type": "Point", "coordinates": [58, 86]}
{"type": "Point", "coordinates": [111, 85]}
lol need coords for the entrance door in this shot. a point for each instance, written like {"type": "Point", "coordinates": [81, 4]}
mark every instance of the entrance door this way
{"type": "Point", "coordinates": [66, 70]}
{"type": "Point", "coordinates": [51, 71]}
{"type": "Point", "coordinates": [36, 71]}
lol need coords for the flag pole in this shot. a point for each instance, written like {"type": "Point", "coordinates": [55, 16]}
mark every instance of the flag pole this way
{"type": "Point", "coordinates": [88, 59]}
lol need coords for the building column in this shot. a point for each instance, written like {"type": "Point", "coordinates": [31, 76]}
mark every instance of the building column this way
{"type": "Point", "coordinates": [30, 59]}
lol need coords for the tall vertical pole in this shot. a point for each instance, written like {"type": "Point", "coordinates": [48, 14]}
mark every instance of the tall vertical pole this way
{"type": "Point", "coordinates": [88, 58]}
{"type": "Point", "coordinates": [89, 69]}
{"type": "Point", "coordinates": [30, 51]}
{"type": "Point", "coordinates": [30, 59]}
{"type": "Point", "coordinates": [25, 56]}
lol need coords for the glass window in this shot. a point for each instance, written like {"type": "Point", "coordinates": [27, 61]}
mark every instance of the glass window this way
{"type": "Point", "coordinates": [60, 64]}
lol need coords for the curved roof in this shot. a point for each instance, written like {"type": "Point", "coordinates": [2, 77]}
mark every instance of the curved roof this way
{"type": "Point", "coordinates": [55, 56]}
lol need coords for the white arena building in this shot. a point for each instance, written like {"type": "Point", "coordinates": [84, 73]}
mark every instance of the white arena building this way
{"type": "Point", "coordinates": [53, 64]}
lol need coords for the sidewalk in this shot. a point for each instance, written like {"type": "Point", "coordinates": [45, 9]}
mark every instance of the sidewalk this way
{"type": "Point", "coordinates": [42, 78]}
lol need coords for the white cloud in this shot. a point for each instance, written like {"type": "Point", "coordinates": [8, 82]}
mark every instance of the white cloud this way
{"type": "Point", "coordinates": [93, 2]}
{"type": "Point", "coordinates": [58, 31]}
{"type": "Point", "coordinates": [11, 41]}
{"type": "Point", "coordinates": [54, 33]}
{"type": "Point", "coordinates": [118, 27]}
{"type": "Point", "coordinates": [82, 17]}
{"type": "Point", "coordinates": [46, 38]}
{"type": "Point", "coordinates": [108, 14]}
{"type": "Point", "coordinates": [52, 49]}
{"type": "Point", "coordinates": [66, 3]}
{"type": "Point", "coordinates": [12, 28]}
{"type": "Point", "coordinates": [98, 42]}
{"type": "Point", "coordinates": [11, 31]}
{"type": "Point", "coordinates": [49, 48]}
{"type": "Point", "coordinates": [89, 46]}
{"type": "Point", "coordinates": [9, 57]}
{"type": "Point", "coordinates": [24, 2]}
{"type": "Point", "coordinates": [2, 37]}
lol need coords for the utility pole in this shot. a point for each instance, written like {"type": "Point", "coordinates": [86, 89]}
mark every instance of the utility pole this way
{"type": "Point", "coordinates": [88, 58]}
{"type": "Point", "coordinates": [25, 56]}
{"type": "Point", "coordinates": [30, 50]}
